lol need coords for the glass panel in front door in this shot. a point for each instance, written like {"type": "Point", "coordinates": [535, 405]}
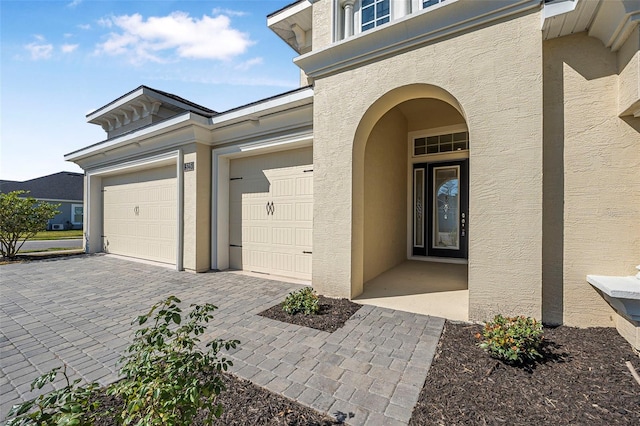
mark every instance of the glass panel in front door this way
{"type": "Point", "coordinates": [446, 208]}
{"type": "Point", "coordinates": [418, 207]}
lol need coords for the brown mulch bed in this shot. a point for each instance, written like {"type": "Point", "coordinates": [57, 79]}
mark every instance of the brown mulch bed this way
{"type": "Point", "coordinates": [244, 404]}
{"type": "Point", "coordinates": [332, 315]}
{"type": "Point", "coordinates": [582, 380]}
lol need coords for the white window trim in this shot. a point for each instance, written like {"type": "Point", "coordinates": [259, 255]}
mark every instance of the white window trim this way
{"type": "Point", "coordinates": [73, 207]}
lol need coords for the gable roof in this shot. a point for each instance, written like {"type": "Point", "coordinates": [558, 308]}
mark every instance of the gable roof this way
{"type": "Point", "coordinates": [58, 186]}
{"type": "Point", "coordinates": [143, 90]}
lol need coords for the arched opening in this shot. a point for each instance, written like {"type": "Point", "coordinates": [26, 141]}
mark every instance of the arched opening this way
{"type": "Point", "coordinates": [411, 203]}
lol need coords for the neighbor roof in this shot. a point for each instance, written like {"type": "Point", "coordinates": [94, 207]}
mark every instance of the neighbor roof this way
{"type": "Point", "coordinates": [58, 186]}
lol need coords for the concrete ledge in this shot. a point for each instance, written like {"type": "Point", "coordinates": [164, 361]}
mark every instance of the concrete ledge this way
{"type": "Point", "coordinates": [622, 293]}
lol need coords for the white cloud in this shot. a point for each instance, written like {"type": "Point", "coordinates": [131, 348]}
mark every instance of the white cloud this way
{"type": "Point", "coordinates": [74, 3]}
{"type": "Point", "coordinates": [68, 48]}
{"type": "Point", "coordinates": [84, 26]}
{"type": "Point", "coordinates": [227, 12]}
{"type": "Point", "coordinates": [39, 37]}
{"type": "Point", "coordinates": [39, 49]}
{"type": "Point", "coordinates": [105, 22]}
{"type": "Point", "coordinates": [161, 39]}
{"type": "Point", "coordinates": [67, 35]}
{"type": "Point", "coordinates": [246, 65]}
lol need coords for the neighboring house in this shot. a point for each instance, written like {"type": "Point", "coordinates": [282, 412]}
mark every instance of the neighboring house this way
{"type": "Point", "coordinates": [496, 140]}
{"type": "Point", "coordinates": [64, 188]}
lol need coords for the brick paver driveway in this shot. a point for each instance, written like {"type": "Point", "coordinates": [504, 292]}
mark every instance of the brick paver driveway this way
{"type": "Point", "coordinates": [79, 311]}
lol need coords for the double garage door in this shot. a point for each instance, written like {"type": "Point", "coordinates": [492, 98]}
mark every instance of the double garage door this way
{"type": "Point", "coordinates": [271, 213]}
{"type": "Point", "coordinates": [140, 214]}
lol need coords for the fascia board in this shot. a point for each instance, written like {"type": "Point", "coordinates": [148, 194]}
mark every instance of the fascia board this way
{"type": "Point", "coordinates": [558, 8]}
{"type": "Point", "coordinates": [256, 111]}
{"type": "Point", "coordinates": [410, 32]}
{"type": "Point", "coordinates": [137, 135]}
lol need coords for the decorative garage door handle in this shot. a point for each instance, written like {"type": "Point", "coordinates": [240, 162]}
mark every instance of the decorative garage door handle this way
{"type": "Point", "coordinates": [270, 208]}
{"type": "Point", "coordinates": [136, 210]}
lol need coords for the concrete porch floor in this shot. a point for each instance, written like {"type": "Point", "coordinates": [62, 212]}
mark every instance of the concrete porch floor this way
{"type": "Point", "coordinates": [428, 288]}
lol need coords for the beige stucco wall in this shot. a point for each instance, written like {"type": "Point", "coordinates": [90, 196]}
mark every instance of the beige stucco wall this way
{"type": "Point", "coordinates": [385, 195]}
{"type": "Point", "coordinates": [600, 178]}
{"type": "Point", "coordinates": [322, 24]}
{"type": "Point", "coordinates": [495, 75]}
{"type": "Point", "coordinates": [197, 208]}
{"type": "Point", "coordinates": [629, 71]}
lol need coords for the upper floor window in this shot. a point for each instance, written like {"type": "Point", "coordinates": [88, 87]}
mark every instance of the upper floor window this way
{"type": "Point", "coordinates": [374, 13]}
{"type": "Point", "coordinates": [357, 16]}
{"type": "Point", "coordinates": [427, 3]}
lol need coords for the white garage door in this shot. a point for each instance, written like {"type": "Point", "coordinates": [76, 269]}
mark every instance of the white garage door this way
{"type": "Point", "coordinates": [140, 213]}
{"type": "Point", "coordinates": [271, 213]}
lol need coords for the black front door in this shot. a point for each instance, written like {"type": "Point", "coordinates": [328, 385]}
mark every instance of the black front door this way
{"type": "Point", "coordinates": [440, 209]}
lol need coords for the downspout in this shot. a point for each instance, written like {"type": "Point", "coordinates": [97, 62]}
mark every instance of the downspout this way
{"type": "Point", "coordinates": [180, 231]}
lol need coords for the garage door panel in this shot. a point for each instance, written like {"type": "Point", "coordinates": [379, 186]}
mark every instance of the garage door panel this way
{"type": "Point", "coordinates": [140, 214]}
{"type": "Point", "coordinates": [304, 237]}
{"type": "Point", "coordinates": [255, 235]}
{"type": "Point", "coordinates": [283, 236]}
{"type": "Point", "coordinates": [272, 239]}
{"type": "Point", "coordinates": [304, 212]}
{"type": "Point", "coordinates": [283, 212]}
{"type": "Point", "coordinates": [304, 185]}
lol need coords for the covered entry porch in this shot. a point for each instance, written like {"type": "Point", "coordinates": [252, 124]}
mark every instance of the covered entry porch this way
{"type": "Point", "coordinates": [415, 215]}
{"type": "Point", "coordinates": [422, 287]}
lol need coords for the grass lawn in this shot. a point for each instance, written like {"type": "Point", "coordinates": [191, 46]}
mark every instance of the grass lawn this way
{"type": "Point", "coordinates": [57, 235]}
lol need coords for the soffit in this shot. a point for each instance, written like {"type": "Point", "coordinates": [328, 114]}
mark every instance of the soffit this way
{"type": "Point", "coordinates": [292, 24]}
{"type": "Point", "coordinates": [140, 103]}
{"type": "Point", "coordinates": [611, 21]}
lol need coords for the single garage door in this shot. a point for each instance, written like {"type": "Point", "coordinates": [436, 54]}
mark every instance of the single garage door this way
{"type": "Point", "coordinates": [140, 211]}
{"type": "Point", "coordinates": [271, 213]}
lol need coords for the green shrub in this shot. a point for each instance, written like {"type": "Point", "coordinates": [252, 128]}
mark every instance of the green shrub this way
{"type": "Point", "coordinates": [167, 378]}
{"type": "Point", "coordinates": [304, 300]}
{"type": "Point", "coordinates": [70, 405]}
{"type": "Point", "coordinates": [512, 339]}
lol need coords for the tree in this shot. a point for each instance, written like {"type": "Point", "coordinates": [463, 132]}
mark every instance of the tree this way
{"type": "Point", "coordinates": [20, 219]}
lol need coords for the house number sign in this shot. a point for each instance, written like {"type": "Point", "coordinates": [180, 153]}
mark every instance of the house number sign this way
{"type": "Point", "coordinates": [189, 167]}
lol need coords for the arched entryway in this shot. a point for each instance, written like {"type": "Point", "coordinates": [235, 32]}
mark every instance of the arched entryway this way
{"type": "Point", "coordinates": [411, 157]}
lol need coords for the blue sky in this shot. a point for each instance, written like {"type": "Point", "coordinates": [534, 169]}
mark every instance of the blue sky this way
{"type": "Point", "coordinates": [62, 59]}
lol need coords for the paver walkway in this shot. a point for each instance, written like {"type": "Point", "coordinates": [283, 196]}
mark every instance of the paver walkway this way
{"type": "Point", "coordinates": [79, 311]}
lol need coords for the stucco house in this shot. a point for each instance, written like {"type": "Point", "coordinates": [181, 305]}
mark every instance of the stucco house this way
{"type": "Point", "coordinates": [64, 188]}
{"type": "Point", "coordinates": [489, 148]}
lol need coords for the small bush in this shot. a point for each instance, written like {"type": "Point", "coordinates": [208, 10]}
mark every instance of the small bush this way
{"type": "Point", "coordinates": [167, 378]}
{"type": "Point", "coordinates": [304, 300]}
{"type": "Point", "coordinates": [70, 405]}
{"type": "Point", "coordinates": [514, 340]}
